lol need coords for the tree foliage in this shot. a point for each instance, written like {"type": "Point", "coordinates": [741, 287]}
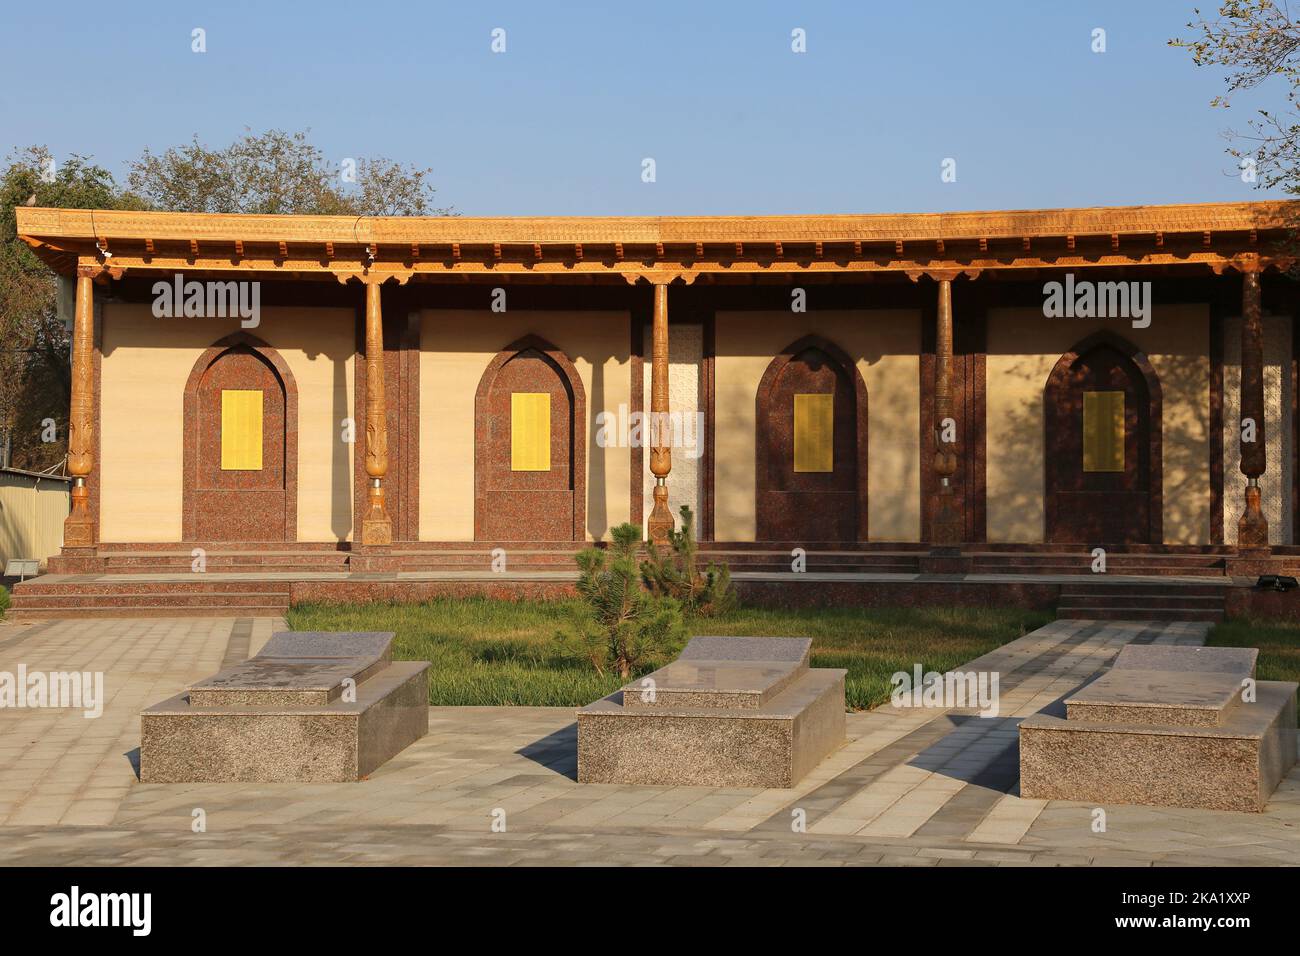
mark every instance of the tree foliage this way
{"type": "Point", "coordinates": [618, 624]}
{"type": "Point", "coordinates": [277, 173]}
{"type": "Point", "coordinates": [270, 172]}
{"type": "Point", "coordinates": [34, 374]}
{"type": "Point", "coordinates": [676, 573]}
{"type": "Point", "coordinates": [1256, 41]}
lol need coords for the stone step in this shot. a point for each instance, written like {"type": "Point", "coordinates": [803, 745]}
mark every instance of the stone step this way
{"type": "Point", "coordinates": [1083, 567]}
{"type": "Point", "coordinates": [815, 564]}
{"type": "Point", "coordinates": [1139, 613]}
{"type": "Point", "coordinates": [141, 584]}
{"type": "Point", "coordinates": [1113, 586]}
{"type": "Point", "coordinates": [1144, 599]}
{"type": "Point", "coordinates": [30, 602]}
{"type": "Point", "coordinates": [20, 615]}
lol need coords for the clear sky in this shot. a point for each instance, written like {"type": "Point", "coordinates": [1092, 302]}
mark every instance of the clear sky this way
{"type": "Point", "coordinates": [736, 122]}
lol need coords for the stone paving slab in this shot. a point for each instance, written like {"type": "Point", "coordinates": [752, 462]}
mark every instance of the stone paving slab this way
{"type": "Point", "coordinates": [919, 786]}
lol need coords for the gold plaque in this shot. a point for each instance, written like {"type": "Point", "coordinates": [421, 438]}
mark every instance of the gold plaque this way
{"type": "Point", "coordinates": [241, 430]}
{"type": "Point", "coordinates": [1103, 431]}
{"type": "Point", "coordinates": [814, 432]}
{"type": "Point", "coordinates": [530, 431]}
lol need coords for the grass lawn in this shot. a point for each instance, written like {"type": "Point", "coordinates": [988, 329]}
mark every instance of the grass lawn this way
{"type": "Point", "coordinates": [4, 600]}
{"type": "Point", "coordinates": [1278, 643]}
{"type": "Point", "coordinates": [502, 652]}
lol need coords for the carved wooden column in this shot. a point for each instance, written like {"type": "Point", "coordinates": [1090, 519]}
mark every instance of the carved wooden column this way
{"type": "Point", "coordinates": [660, 521]}
{"type": "Point", "coordinates": [376, 525]}
{"type": "Point", "coordinates": [946, 526]}
{"type": "Point", "coordinates": [1252, 528]}
{"type": "Point", "coordinates": [79, 526]}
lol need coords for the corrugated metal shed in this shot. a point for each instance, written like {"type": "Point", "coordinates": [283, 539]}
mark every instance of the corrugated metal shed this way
{"type": "Point", "coordinates": [32, 509]}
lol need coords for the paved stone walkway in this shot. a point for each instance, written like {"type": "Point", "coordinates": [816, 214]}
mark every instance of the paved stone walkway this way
{"type": "Point", "coordinates": [911, 786]}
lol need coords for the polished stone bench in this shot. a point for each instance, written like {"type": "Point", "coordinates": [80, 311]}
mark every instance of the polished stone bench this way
{"type": "Point", "coordinates": [312, 706]}
{"type": "Point", "coordinates": [729, 712]}
{"type": "Point", "coordinates": [1165, 726]}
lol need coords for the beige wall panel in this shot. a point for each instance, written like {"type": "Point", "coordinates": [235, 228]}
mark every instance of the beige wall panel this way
{"type": "Point", "coordinates": [146, 362]}
{"type": "Point", "coordinates": [1024, 347]}
{"type": "Point", "coordinates": [886, 345]}
{"type": "Point", "coordinates": [456, 347]}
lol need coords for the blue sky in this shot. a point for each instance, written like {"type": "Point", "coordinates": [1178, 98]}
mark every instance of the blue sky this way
{"type": "Point", "coordinates": [737, 124]}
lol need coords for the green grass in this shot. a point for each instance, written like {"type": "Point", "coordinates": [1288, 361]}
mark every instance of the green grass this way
{"type": "Point", "coordinates": [488, 652]}
{"type": "Point", "coordinates": [4, 600]}
{"type": "Point", "coordinates": [1278, 643]}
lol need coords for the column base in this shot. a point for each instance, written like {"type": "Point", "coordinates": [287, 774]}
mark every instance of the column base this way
{"type": "Point", "coordinates": [946, 524]}
{"type": "Point", "coordinates": [78, 533]}
{"type": "Point", "coordinates": [376, 532]}
{"type": "Point", "coordinates": [660, 521]}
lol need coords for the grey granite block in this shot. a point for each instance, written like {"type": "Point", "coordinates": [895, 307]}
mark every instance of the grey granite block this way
{"type": "Point", "coordinates": [733, 712]}
{"type": "Point", "coordinates": [311, 707]}
{"type": "Point", "coordinates": [790, 650]}
{"type": "Point", "coordinates": [181, 743]}
{"type": "Point", "coordinates": [1233, 766]}
{"type": "Point", "coordinates": [1238, 661]}
{"type": "Point", "coordinates": [1173, 698]}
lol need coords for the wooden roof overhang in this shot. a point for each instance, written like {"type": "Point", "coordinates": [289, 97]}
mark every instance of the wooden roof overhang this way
{"type": "Point", "coordinates": [1246, 236]}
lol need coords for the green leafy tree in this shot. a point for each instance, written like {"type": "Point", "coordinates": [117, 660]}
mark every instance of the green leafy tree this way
{"type": "Point", "coordinates": [278, 173]}
{"type": "Point", "coordinates": [619, 625]}
{"type": "Point", "coordinates": [1255, 41]}
{"type": "Point", "coordinates": [676, 573]}
{"type": "Point", "coordinates": [34, 373]}
{"type": "Point", "coordinates": [270, 172]}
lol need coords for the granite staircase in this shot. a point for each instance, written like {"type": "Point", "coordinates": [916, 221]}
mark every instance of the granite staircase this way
{"type": "Point", "coordinates": [1142, 601]}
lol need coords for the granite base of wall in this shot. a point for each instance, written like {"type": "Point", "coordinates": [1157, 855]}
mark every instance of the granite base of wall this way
{"type": "Point", "coordinates": [796, 594]}
{"type": "Point", "coordinates": [360, 591]}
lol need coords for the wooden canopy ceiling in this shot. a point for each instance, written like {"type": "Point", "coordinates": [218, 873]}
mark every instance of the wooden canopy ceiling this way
{"type": "Point", "coordinates": [1213, 236]}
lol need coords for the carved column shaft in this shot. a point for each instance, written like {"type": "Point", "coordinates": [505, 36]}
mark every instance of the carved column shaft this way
{"type": "Point", "coordinates": [660, 521]}
{"type": "Point", "coordinates": [78, 527]}
{"type": "Point", "coordinates": [1252, 528]}
{"type": "Point", "coordinates": [946, 521]}
{"type": "Point", "coordinates": [376, 526]}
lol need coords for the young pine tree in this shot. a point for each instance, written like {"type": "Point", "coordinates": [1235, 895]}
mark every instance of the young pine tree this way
{"type": "Point", "coordinates": [618, 624]}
